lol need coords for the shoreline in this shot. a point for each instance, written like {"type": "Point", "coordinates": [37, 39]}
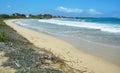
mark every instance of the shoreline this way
{"type": "Point", "coordinates": [66, 51]}
{"type": "Point", "coordinates": [104, 51]}
{"type": "Point", "coordinates": [99, 49]}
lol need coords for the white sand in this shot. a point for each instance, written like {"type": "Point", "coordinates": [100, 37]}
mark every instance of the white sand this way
{"type": "Point", "coordinates": [66, 51]}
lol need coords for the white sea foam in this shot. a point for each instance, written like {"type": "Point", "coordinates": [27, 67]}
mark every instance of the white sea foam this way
{"type": "Point", "coordinates": [91, 25]}
{"type": "Point", "coordinates": [20, 23]}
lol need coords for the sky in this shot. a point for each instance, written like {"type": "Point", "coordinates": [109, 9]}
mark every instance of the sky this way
{"type": "Point", "coordinates": [77, 8]}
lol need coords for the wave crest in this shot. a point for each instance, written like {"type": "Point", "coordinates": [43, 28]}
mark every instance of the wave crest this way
{"type": "Point", "coordinates": [90, 25]}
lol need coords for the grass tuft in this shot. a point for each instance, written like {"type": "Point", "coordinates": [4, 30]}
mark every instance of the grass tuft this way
{"type": "Point", "coordinates": [3, 37]}
{"type": "Point", "coordinates": [2, 23]}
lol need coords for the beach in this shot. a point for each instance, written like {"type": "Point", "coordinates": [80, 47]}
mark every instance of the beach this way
{"type": "Point", "coordinates": [73, 56]}
{"type": "Point", "coordinates": [18, 55]}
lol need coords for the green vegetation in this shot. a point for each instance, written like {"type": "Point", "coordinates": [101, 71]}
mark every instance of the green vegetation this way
{"type": "Point", "coordinates": [3, 37]}
{"type": "Point", "coordinates": [18, 15]}
{"type": "Point", "coordinates": [41, 16]}
{"type": "Point", "coordinates": [4, 16]}
{"type": "Point", "coordinates": [2, 23]}
{"type": "Point", "coordinates": [31, 16]}
{"type": "Point", "coordinates": [14, 15]}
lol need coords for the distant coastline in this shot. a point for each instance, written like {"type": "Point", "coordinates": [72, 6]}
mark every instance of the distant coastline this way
{"type": "Point", "coordinates": [42, 16]}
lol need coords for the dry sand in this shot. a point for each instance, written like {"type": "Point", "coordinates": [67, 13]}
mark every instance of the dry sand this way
{"type": "Point", "coordinates": [74, 57]}
{"type": "Point", "coordinates": [2, 68]}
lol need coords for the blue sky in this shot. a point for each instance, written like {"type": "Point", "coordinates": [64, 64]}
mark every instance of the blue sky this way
{"type": "Point", "coordinates": [97, 8]}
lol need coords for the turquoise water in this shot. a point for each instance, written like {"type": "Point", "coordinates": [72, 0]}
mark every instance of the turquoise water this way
{"type": "Point", "coordinates": [99, 20]}
{"type": "Point", "coordinates": [97, 36]}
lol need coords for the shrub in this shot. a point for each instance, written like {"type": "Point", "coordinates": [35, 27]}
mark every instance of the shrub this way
{"type": "Point", "coordinates": [2, 23]}
{"type": "Point", "coordinates": [4, 16]}
{"type": "Point", "coordinates": [3, 37]}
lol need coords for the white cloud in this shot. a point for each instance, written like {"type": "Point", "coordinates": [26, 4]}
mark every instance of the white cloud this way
{"type": "Point", "coordinates": [93, 12]}
{"type": "Point", "coordinates": [69, 10]}
{"type": "Point", "coordinates": [77, 10]}
{"type": "Point", "coordinates": [8, 6]}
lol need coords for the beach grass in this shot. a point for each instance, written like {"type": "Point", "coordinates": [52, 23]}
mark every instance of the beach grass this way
{"type": "Point", "coordinates": [3, 36]}
{"type": "Point", "coordinates": [2, 23]}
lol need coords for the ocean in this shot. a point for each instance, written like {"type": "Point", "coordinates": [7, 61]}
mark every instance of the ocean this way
{"type": "Point", "coordinates": [97, 36]}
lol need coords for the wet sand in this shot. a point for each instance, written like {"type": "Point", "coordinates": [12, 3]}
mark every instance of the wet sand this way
{"type": "Point", "coordinates": [106, 51]}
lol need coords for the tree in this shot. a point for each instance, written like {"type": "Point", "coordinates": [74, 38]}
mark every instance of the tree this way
{"type": "Point", "coordinates": [32, 16]}
{"type": "Point", "coordinates": [4, 16]}
{"type": "Point", "coordinates": [17, 15]}
{"type": "Point", "coordinates": [40, 16]}
{"type": "Point", "coordinates": [47, 16]}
